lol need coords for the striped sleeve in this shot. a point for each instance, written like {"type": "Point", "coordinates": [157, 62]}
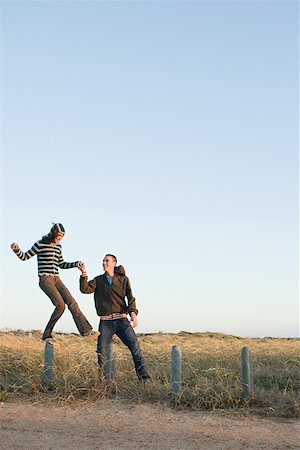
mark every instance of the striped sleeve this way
{"type": "Point", "coordinates": [29, 254]}
{"type": "Point", "coordinates": [65, 265]}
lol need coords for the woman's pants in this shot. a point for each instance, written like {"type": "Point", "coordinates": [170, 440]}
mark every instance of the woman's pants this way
{"type": "Point", "coordinates": [60, 296]}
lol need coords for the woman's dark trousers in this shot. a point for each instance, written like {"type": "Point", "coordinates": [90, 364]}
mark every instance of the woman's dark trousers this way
{"type": "Point", "coordinates": [60, 296]}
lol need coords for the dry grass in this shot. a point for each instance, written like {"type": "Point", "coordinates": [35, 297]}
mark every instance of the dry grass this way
{"type": "Point", "coordinates": [211, 367]}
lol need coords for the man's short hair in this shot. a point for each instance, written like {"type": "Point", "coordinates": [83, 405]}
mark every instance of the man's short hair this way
{"type": "Point", "coordinates": [113, 257]}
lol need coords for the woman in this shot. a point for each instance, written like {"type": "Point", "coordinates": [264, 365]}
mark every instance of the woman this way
{"type": "Point", "coordinates": [49, 256]}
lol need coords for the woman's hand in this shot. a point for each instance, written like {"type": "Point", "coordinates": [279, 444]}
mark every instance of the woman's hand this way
{"type": "Point", "coordinates": [14, 246]}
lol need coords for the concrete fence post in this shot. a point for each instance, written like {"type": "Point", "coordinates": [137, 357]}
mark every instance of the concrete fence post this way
{"type": "Point", "coordinates": [247, 374]}
{"type": "Point", "coordinates": [110, 364]}
{"type": "Point", "coordinates": [48, 360]}
{"type": "Point", "coordinates": [176, 370]}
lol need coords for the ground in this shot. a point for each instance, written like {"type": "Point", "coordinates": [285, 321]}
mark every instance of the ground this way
{"type": "Point", "coordinates": [111, 424]}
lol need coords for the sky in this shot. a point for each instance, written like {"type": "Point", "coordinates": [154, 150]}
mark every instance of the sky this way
{"type": "Point", "coordinates": [166, 133]}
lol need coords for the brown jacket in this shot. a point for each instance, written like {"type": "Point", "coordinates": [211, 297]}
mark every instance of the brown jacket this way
{"type": "Point", "coordinates": [110, 299]}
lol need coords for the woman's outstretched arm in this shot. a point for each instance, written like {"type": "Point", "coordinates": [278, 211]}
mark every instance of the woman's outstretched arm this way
{"type": "Point", "coordinates": [25, 255]}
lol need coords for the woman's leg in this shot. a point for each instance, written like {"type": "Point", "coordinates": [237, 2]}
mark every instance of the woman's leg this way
{"type": "Point", "coordinates": [83, 326]}
{"type": "Point", "coordinates": [47, 284]}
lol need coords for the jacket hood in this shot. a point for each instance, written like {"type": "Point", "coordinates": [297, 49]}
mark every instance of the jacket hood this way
{"type": "Point", "coordinates": [119, 270]}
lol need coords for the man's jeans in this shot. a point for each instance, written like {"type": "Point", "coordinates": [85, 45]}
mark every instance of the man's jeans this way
{"type": "Point", "coordinates": [60, 296]}
{"type": "Point", "coordinates": [123, 329]}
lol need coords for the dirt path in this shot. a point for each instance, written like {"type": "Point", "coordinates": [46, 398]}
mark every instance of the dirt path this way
{"type": "Point", "coordinates": [115, 425]}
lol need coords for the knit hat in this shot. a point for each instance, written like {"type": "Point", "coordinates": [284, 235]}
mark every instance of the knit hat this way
{"type": "Point", "coordinates": [57, 228]}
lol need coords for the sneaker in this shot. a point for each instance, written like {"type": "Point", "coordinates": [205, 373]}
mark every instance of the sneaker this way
{"type": "Point", "coordinates": [91, 335]}
{"type": "Point", "coordinates": [147, 380]}
{"type": "Point", "coordinates": [50, 340]}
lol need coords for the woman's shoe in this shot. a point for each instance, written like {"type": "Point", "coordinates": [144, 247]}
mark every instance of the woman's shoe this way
{"type": "Point", "coordinates": [50, 340]}
{"type": "Point", "coordinates": [91, 335]}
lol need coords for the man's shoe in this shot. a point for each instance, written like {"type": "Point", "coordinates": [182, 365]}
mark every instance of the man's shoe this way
{"type": "Point", "coordinates": [147, 380]}
{"type": "Point", "coordinates": [91, 335]}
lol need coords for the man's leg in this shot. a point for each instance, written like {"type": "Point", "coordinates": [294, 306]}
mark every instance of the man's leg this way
{"type": "Point", "coordinates": [106, 328]}
{"type": "Point", "coordinates": [47, 285]}
{"type": "Point", "coordinates": [83, 326]}
{"type": "Point", "coordinates": [127, 335]}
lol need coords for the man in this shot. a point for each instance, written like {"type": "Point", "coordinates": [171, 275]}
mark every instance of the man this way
{"type": "Point", "coordinates": [110, 290]}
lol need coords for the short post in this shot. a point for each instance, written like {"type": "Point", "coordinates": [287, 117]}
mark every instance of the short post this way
{"type": "Point", "coordinates": [48, 360]}
{"type": "Point", "coordinates": [110, 364]}
{"type": "Point", "coordinates": [247, 374]}
{"type": "Point", "coordinates": [176, 370]}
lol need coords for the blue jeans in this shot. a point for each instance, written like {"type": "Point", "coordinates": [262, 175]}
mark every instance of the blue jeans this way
{"type": "Point", "coordinates": [123, 329]}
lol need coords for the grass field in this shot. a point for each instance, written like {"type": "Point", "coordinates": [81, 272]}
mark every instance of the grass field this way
{"type": "Point", "coordinates": [211, 371]}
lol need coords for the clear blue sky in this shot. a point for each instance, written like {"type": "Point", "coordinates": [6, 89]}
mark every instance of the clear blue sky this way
{"type": "Point", "coordinates": [165, 133]}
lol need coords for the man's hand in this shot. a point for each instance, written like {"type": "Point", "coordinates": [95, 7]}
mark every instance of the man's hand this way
{"type": "Point", "coordinates": [14, 246]}
{"type": "Point", "coordinates": [81, 267]}
{"type": "Point", "coordinates": [134, 321]}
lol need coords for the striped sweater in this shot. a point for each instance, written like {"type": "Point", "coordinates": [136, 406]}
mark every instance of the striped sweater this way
{"type": "Point", "coordinates": [49, 258]}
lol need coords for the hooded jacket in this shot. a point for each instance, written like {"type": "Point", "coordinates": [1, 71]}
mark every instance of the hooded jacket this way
{"type": "Point", "coordinates": [110, 299]}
